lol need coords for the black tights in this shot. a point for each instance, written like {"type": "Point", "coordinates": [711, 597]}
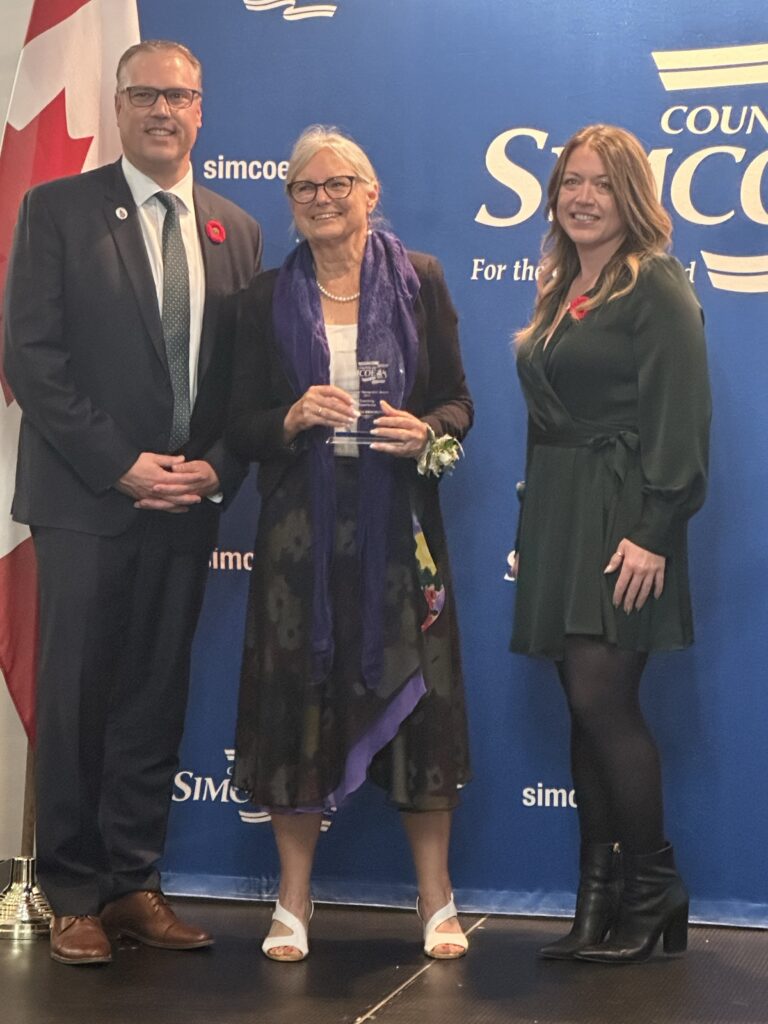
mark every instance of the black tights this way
{"type": "Point", "coordinates": [614, 759]}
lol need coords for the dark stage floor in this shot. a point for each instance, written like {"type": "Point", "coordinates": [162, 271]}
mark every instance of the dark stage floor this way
{"type": "Point", "coordinates": [366, 965]}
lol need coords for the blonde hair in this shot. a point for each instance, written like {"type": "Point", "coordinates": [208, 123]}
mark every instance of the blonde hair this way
{"type": "Point", "coordinates": [646, 223]}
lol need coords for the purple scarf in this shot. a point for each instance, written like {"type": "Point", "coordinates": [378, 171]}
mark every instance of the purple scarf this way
{"type": "Point", "coordinates": [386, 332]}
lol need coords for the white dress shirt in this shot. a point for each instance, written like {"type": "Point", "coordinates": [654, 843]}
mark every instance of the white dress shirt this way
{"type": "Point", "coordinates": [151, 216]}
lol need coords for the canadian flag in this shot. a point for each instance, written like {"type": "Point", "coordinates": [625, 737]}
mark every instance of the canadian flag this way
{"type": "Point", "coordinates": [61, 121]}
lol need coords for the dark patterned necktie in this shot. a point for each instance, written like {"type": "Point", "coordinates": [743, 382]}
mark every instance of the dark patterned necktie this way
{"type": "Point", "coordinates": [175, 317]}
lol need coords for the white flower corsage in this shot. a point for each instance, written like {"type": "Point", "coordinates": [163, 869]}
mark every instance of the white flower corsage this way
{"type": "Point", "coordinates": [510, 575]}
{"type": "Point", "coordinates": [440, 454]}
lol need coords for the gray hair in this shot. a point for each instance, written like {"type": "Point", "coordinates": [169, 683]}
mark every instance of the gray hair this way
{"type": "Point", "coordinates": [321, 136]}
{"type": "Point", "coordinates": [155, 46]}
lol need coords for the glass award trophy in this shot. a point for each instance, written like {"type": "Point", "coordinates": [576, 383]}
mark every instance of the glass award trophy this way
{"type": "Point", "coordinates": [368, 389]}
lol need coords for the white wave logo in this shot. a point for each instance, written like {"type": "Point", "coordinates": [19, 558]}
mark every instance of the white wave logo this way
{"type": "Point", "coordinates": [737, 273]}
{"type": "Point", "coordinates": [715, 68]}
{"type": "Point", "coordinates": [712, 68]}
{"type": "Point", "coordinates": [292, 11]}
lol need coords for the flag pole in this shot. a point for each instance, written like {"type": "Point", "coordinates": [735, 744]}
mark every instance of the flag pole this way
{"type": "Point", "coordinates": [24, 910]}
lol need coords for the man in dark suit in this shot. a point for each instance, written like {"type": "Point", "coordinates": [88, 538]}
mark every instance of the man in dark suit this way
{"type": "Point", "coordinates": [121, 297]}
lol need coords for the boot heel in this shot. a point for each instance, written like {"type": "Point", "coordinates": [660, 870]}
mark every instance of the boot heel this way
{"type": "Point", "coordinates": [654, 903]}
{"type": "Point", "coordinates": [676, 932]}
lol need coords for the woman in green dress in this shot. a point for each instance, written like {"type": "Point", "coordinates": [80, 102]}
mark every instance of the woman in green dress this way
{"type": "Point", "coordinates": [614, 372]}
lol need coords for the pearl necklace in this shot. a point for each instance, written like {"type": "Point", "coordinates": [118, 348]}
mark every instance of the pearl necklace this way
{"type": "Point", "coordinates": [337, 298]}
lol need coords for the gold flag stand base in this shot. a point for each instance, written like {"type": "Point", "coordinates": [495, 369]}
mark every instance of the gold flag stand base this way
{"type": "Point", "coordinates": [24, 910]}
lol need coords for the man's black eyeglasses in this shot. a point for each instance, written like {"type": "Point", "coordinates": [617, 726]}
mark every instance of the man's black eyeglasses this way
{"type": "Point", "coordinates": [146, 96]}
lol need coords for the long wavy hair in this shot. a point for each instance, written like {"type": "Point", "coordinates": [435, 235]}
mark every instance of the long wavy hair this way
{"type": "Point", "coordinates": [646, 222]}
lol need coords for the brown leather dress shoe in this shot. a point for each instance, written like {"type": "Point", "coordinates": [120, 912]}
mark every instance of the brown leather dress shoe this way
{"type": "Point", "coordinates": [79, 940]}
{"type": "Point", "coordinates": [148, 918]}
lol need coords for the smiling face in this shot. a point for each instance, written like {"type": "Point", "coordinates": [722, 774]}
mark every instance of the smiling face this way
{"type": "Point", "coordinates": [157, 140]}
{"type": "Point", "coordinates": [334, 222]}
{"type": "Point", "coordinates": [586, 207]}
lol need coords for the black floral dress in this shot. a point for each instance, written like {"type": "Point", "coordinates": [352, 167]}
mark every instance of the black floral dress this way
{"type": "Point", "coordinates": [303, 745]}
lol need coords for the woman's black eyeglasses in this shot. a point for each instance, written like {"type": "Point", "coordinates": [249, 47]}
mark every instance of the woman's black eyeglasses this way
{"type": "Point", "coordinates": [337, 187]}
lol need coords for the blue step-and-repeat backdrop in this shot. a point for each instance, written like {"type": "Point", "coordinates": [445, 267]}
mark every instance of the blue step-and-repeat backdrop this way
{"type": "Point", "coordinates": [462, 107]}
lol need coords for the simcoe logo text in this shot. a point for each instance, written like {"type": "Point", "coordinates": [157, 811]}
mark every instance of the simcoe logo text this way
{"type": "Point", "coordinates": [548, 796]}
{"type": "Point", "coordinates": [228, 561]}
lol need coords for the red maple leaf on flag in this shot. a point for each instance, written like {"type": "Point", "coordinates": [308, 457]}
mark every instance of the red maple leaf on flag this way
{"type": "Point", "coordinates": [41, 151]}
{"type": "Point", "coordinates": [46, 15]}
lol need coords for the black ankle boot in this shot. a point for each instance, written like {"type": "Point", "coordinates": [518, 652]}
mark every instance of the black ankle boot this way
{"type": "Point", "coordinates": [596, 903]}
{"type": "Point", "coordinates": [654, 903]}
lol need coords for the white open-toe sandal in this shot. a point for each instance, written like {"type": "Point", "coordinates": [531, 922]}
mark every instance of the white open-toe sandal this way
{"type": "Point", "coordinates": [433, 938]}
{"type": "Point", "coordinates": [297, 938]}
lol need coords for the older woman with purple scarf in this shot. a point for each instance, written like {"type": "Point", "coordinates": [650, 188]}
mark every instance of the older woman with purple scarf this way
{"type": "Point", "coordinates": [349, 392]}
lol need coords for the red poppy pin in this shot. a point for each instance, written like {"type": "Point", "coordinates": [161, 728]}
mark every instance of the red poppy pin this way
{"type": "Point", "coordinates": [215, 231]}
{"type": "Point", "coordinates": [576, 307]}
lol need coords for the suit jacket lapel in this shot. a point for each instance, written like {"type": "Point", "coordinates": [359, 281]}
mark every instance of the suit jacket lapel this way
{"type": "Point", "coordinates": [215, 265]}
{"type": "Point", "coordinates": [129, 241]}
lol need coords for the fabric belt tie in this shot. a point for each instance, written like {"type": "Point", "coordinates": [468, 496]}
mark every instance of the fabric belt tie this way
{"type": "Point", "coordinates": [175, 318]}
{"type": "Point", "coordinates": [615, 447]}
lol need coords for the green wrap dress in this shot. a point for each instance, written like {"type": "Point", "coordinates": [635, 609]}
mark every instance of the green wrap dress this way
{"type": "Point", "coordinates": [619, 409]}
